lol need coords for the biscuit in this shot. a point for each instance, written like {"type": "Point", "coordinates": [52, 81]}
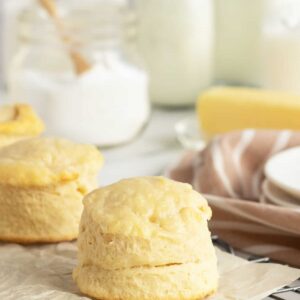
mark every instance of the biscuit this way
{"type": "Point", "coordinates": [18, 122]}
{"type": "Point", "coordinates": [146, 238]}
{"type": "Point", "coordinates": [42, 183]}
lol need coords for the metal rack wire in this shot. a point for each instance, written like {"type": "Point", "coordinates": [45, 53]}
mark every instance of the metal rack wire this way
{"type": "Point", "coordinates": [289, 292]}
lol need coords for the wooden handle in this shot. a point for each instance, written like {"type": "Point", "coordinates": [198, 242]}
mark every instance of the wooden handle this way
{"type": "Point", "coordinates": [50, 7]}
{"type": "Point", "coordinates": [81, 65]}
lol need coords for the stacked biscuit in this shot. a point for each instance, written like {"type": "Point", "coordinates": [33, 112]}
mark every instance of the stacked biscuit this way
{"type": "Point", "coordinates": [42, 183]}
{"type": "Point", "coordinates": [18, 122]}
{"type": "Point", "coordinates": [146, 238]}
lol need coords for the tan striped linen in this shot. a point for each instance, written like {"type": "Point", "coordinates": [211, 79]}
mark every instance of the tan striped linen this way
{"type": "Point", "coordinates": [230, 172]}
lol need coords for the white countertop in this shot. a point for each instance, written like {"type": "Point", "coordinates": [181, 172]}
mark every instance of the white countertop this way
{"type": "Point", "coordinates": [150, 153]}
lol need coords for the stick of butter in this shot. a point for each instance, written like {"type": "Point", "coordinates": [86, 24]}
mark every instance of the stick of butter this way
{"type": "Point", "coordinates": [223, 109]}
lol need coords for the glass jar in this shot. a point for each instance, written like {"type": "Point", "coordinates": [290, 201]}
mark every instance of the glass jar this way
{"type": "Point", "coordinates": [9, 10]}
{"type": "Point", "coordinates": [77, 73]}
{"type": "Point", "coordinates": [238, 31]}
{"type": "Point", "coordinates": [281, 46]}
{"type": "Point", "coordinates": [175, 38]}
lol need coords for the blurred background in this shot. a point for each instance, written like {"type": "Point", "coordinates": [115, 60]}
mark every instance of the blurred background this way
{"type": "Point", "coordinates": [127, 73]}
{"type": "Point", "coordinates": [184, 46]}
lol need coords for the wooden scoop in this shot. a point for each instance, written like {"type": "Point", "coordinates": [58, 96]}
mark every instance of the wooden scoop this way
{"type": "Point", "coordinates": [81, 65]}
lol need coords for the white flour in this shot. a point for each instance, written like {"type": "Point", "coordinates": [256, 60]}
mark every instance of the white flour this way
{"type": "Point", "coordinates": [107, 105]}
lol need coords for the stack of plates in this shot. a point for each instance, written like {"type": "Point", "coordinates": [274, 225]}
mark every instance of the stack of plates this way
{"type": "Point", "coordinates": [282, 184]}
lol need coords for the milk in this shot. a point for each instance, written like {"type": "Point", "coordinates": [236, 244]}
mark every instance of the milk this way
{"type": "Point", "coordinates": [281, 46]}
{"type": "Point", "coordinates": [175, 39]}
{"type": "Point", "coordinates": [238, 25]}
{"type": "Point", "coordinates": [282, 62]}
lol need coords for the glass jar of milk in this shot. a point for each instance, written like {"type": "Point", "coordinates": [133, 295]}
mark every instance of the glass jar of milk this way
{"type": "Point", "coordinates": [73, 69]}
{"type": "Point", "coordinates": [281, 46]}
{"type": "Point", "coordinates": [175, 38]}
{"type": "Point", "coordinates": [238, 32]}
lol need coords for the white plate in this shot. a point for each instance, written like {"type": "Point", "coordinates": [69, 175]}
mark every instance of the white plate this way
{"type": "Point", "coordinates": [273, 194]}
{"type": "Point", "coordinates": [283, 170]}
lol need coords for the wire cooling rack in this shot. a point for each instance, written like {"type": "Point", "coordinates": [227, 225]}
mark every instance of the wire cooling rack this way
{"type": "Point", "coordinates": [289, 292]}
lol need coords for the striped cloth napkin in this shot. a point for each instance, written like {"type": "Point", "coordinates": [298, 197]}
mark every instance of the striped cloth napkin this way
{"type": "Point", "coordinates": [229, 171]}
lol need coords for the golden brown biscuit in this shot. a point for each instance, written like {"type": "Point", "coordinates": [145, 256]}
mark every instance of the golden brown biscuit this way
{"type": "Point", "coordinates": [18, 122]}
{"type": "Point", "coordinates": [42, 183]}
{"type": "Point", "coordinates": [146, 238]}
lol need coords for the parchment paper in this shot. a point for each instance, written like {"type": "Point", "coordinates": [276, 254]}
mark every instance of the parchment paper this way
{"type": "Point", "coordinates": [44, 272]}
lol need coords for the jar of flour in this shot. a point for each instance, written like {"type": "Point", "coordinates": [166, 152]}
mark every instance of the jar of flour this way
{"type": "Point", "coordinates": [75, 72]}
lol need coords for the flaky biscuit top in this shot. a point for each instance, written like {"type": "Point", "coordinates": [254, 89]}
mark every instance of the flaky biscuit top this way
{"type": "Point", "coordinates": [19, 120]}
{"type": "Point", "coordinates": [147, 207]}
{"type": "Point", "coordinates": [44, 161]}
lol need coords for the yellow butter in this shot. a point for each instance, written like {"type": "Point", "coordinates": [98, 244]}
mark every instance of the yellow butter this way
{"type": "Point", "coordinates": [224, 109]}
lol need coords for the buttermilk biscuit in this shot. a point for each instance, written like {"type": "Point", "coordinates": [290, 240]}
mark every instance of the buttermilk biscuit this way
{"type": "Point", "coordinates": [42, 183]}
{"type": "Point", "coordinates": [18, 122]}
{"type": "Point", "coordinates": [144, 239]}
